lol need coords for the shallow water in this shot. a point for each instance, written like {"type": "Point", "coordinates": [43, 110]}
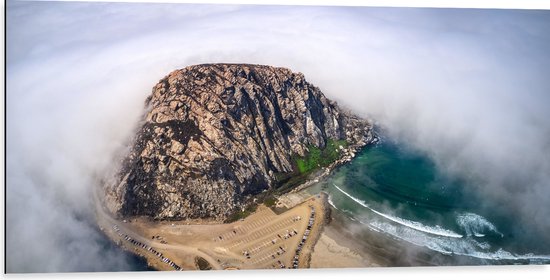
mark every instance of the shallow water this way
{"type": "Point", "coordinates": [401, 194]}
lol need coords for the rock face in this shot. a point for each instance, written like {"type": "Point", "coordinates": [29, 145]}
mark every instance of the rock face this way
{"type": "Point", "coordinates": [216, 134]}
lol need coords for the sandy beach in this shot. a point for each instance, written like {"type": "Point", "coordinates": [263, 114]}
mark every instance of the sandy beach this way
{"type": "Point", "coordinates": [328, 253]}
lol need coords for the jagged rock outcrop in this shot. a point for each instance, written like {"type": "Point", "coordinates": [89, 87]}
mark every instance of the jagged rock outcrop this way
{"type": "Point", "coordinates": [215, 134]}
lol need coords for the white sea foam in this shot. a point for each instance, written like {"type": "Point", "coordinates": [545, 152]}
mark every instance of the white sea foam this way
{"type": "Point", "coordinates": [360, 202]}
{"type": "Point", "coordinates": [446, 241]}
{"type": "Point", "coordinates": [371, 227]}
{"type": "Point", "coordinates": [448, 246]}
{"type": "Point", "coordinates": [350, 214]}
{"type": "Point", "coordinates": [475, 225]}
{"type": "Point", "coordinates": [332, 203]}
{"type": "Point", "coordinates": [436, 230]}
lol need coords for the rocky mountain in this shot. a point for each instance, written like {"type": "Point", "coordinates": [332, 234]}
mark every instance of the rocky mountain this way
{"type": "Point", "coordinates": [215, 135]}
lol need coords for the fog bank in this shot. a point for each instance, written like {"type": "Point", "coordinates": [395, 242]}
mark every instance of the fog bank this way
{"type": "Point", "coordinates": [468, 87]}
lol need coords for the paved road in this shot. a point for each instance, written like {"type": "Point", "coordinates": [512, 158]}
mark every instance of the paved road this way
{"type": "Point", "coordinates": [106, 219]}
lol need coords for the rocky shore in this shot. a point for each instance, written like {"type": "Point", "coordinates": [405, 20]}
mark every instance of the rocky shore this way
{"type": "Point", "coordinates": [347, 155]}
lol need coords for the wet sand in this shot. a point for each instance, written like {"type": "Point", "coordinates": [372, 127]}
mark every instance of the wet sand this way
{"type": "Point", "coordinates": [342, 243]}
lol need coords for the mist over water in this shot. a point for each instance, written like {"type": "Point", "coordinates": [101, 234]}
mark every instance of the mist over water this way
{"type": "Point", "coordinates": [400, 193]}
{"type": "Point", "coordinates": [467, 89]}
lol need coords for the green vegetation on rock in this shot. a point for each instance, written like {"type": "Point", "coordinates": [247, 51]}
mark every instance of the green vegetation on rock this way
{"type": "Point", "coordinates": [303, 168]}
{"type": "Point", "coordinates": [270, 201]}
{"type": "Point", "coordinates": [308, 164]}
{"type": "Point", "coordinates": [317, 158]}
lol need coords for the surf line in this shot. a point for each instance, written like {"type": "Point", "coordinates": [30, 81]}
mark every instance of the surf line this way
{"type": "Point", "coordinates": [412, 224]}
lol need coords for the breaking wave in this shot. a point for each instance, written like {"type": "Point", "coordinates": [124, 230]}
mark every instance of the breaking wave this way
{"type": "Point", "coordinates": [446, 241]}
{"type": "Point", "coordinates": [449, 246]}
{"type": "Point", "coordinates": [332, 203]}
{"type": "Point", "coordinates": [435, 230]}
{"type": "Point", "coordinates": [475, 225]}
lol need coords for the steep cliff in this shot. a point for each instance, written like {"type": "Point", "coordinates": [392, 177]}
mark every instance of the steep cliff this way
{"type": "Point", "coordinates": [216, 134]}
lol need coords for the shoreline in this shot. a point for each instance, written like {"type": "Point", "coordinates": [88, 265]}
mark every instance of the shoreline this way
{"type": "Point", "coordinates": [341, 241]}
{"type": "Point", "coordinates": [348, 154]}
{"type": "Point", "coordinates": [341, 244]}
{"type": "Point", "coordinates": [343, 238]}
{"type": "Point", "coordinates": [185, 255]}
{"type": "Point", "coordinates": [334, 246]}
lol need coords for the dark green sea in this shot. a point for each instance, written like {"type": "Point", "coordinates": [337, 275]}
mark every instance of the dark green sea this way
{"type": "Point", "coordinates": [392, 192]}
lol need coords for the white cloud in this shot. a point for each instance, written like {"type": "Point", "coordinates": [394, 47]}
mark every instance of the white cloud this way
{"type": "Point", "coordinates": [468, 87]}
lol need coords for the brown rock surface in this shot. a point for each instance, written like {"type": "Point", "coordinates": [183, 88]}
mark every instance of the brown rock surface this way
{"type": "Point", "coordinates": [215, 135]}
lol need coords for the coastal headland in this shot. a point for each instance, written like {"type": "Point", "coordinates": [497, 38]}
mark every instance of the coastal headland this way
{"type": "Point", "coordinates": [214, 175]}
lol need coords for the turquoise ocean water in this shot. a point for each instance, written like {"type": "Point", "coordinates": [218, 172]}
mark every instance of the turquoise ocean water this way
{"type": "Point", "coordinates": [395, 193]}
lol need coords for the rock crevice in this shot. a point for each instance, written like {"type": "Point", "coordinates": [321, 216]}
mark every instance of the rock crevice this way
{"type": "Point", "coordinates": [217, 133]}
